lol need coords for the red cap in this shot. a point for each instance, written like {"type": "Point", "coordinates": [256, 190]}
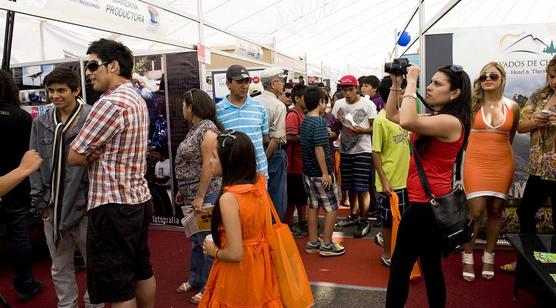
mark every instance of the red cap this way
{"type": "Point", "coordinates": [348, 80]}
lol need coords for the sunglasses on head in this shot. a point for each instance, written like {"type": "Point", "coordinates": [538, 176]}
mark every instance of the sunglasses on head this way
{"type": "Point", "coordinates": [456, 68]}
{"type": "Point", "coordinates": [492, 76]}
{"type": "Point", "coordinates": [227, 138]}
{"type": "Point", "coordinates": [93, 65]}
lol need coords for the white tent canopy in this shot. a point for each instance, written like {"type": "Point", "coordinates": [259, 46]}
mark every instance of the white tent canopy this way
{"type": "Point", "coordinates": [354, 36]}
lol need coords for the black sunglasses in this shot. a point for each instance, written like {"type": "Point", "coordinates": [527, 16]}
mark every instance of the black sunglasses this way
{"type": "Point", "coordinates": [288, 94]}
{"type": "Point", "coordinates": [93, 65]}
{"type": "Point", "coordinates": [492, 76]}
{"type": "Point", "coordinates": [456, 68]}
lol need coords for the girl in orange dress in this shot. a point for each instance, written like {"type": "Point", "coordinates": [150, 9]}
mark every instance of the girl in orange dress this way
{"type": "Point", "coordinates": [243, 274]}
{"type": "Point", "coordinates": [488, 162]}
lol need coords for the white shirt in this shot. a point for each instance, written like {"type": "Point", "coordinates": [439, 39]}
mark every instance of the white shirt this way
{"type": "Point", "coordinates": [358, 113]}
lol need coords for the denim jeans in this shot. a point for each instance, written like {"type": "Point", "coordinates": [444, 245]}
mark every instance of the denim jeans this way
{"type": "Point", "coordinates": [199, 264]}
{"type": "Point", "coordinates": [15, 214]}
{"type": "Point", "coordinates": [277, 183]}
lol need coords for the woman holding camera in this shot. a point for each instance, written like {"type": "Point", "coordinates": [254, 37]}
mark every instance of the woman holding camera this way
{"type": "Point", "coordinates": [489, 165]}
{"type": "Point", "coordinates": [437, 138]}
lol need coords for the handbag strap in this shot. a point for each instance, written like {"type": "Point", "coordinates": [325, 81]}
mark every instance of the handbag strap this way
{"type": "Point", "coordinates": [421, 172]}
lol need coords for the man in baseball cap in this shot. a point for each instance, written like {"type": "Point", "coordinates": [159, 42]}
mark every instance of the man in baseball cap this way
{"type": "Point", "coordinates": [272, 79]}
{"type": "Point", "coordinates": [240, 112]}
{"type": "Point", "coordinates": [356, 114]}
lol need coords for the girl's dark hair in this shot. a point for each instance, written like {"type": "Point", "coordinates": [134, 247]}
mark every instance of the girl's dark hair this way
{"type": "Point", "coordinates": [63, 75]}
{"type": "Point", "coordinates": [109, 50]}
{"type": "Point", "coordinates": [202, 106]}
{"type": "Point", "coordinates": [545, 91]}
{"type": "Point", "coordinates": [239, 166]}
{"type": "Point", "coordinates": [459, 107]}
{"type": "Point", "coordinates": [8, 89]}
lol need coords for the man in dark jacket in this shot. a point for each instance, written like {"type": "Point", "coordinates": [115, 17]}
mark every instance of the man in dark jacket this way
{"type": "Point", "coordinates": [58, 190]}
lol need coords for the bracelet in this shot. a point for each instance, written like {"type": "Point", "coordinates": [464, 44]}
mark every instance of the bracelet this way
{"type": "Point", "coordinates": [398, 89]}
{"type": "Point", "coordinates": [412, 95]}
{"type": "Point", "coordinates": [216, 253]}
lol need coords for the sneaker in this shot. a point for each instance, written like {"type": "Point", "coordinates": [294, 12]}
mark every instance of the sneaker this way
{"type": "Point", "coordinates": [313, 247]}
{"type": "Point", "coordinates": [34, 289]}
{"type": "Point", "coordinates": [385, 261]}
{"type": "Point", "coordinates": [348, 221]}
{"type": "Point", "coordinates": [363, 228]}
{"type": "Point", "coordinates": [379, 239]}
{"type": "Point", "coordinates": [332, 249]}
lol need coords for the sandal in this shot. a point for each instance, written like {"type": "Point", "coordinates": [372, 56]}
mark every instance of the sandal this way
{"type": "Point", "coordinates": [488, 260]}
{"type": "Point", "coordinates": [508, 268]}
{"type": "Point", "coordinates": [196, 298]}
{"type": "Point", "coordinates": [467, 259]}
{"type": "Point", "coordinates": [184, 287]}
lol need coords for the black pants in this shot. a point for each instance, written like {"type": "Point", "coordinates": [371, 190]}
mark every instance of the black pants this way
{"type": "Point", "coordinates": [418, 237]}
{"type": "Point", "coordinates": [535, 195]}
{"type": "Point", "coordinates": [14, 213]}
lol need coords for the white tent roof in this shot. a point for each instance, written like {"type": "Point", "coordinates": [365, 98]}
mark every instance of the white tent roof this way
{"type": "Point", "coordinates": [355, 35]}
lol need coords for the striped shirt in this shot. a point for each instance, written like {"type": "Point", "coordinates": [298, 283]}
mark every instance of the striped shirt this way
{"type": "Point", "coordinates": [251, 118]}
{"type": "Point", "coordinates": [118, 125]}
{"type": "Point", "coordinates": [314, 134]}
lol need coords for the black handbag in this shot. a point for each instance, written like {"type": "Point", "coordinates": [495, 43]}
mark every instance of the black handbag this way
{"type": "Point", "coordinates": [449, 210]}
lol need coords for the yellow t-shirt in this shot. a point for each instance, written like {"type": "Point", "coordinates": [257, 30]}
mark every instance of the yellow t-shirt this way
{"type": "Point", "coordinates": [391, 141]}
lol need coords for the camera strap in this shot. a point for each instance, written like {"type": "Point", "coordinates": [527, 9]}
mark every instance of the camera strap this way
{"type": "Point", "coordinates": [424, 102]}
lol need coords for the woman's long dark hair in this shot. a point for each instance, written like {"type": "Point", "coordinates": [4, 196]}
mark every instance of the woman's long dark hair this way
{"type": "Point", "coordinates": [202, 106]}
{"type": "Point", "coordinates": [459, 107]}
{"type": "Point", "coordinates": [239, 166]}
{"type": "Point", "coordinates": [545, 91]}
{"type": "Point", "coordinates": [9, 93]}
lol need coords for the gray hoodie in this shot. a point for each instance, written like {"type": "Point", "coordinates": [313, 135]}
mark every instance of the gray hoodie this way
{"type": "Point", "coordinates": [76, 183]}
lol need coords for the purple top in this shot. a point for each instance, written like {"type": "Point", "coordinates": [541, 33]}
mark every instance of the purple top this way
{"type": "Point", "coordinates": [379, 103]}
{"type": "Point", "coordinates": [334, 126]}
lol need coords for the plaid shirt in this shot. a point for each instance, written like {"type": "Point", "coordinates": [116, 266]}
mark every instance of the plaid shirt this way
{"type": "Point", "coordinates": [118, 125]}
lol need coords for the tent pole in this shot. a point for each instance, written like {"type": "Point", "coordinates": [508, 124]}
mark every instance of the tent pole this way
{"type": "Point", "coordinates": [201, 24]}
{"type": "Point", "coordinates": [8, 38]}
{"type": "Point", "coordinates": [422, 64]}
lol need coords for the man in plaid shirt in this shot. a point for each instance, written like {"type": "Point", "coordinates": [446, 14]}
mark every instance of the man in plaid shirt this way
{"type": "Point", "coordinates": [113, 143]}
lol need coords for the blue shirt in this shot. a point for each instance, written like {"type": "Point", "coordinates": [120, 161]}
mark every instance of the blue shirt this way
{"type": "Point", "coordinates": [251, 118]}
{"type": "Point", "coordinates": [314, 134]}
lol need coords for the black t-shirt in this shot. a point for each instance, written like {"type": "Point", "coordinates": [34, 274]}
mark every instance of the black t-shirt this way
{"type": "Point", "coordinates": [15, 128]}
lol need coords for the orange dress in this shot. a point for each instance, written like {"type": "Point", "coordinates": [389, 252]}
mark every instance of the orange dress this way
{"type": "Point", "coordinates": [488, 162]}
{"type": "Point", "coordinates": [251, 282]}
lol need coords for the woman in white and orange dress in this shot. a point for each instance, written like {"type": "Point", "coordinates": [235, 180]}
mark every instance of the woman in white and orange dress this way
{"type": "Point", "coordinates": [488, 162]}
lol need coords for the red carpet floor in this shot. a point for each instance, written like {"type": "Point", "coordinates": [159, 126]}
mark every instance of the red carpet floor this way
{"type": "Point", "coordinates": [360, 266]}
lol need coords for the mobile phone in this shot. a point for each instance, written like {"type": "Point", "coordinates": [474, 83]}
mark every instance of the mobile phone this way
{"type": "Point", "coordinates": [545, 113]}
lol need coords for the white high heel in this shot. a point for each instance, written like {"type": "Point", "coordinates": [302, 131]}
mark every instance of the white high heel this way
{"type": "Point", "coordinates": [467, 258]}
{"type": "Point", "coordinates": [488, 258]}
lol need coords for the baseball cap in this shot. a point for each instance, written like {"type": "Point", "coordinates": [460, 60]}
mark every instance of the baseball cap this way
{"type": "Point", "coordinates": [348, 80]}
{"type": "Point", "coordinates": [272, 73]}
{"type": "Point", "coordinates": [237, 72]}
{"type": "Point", "coordinates": [255, 88]}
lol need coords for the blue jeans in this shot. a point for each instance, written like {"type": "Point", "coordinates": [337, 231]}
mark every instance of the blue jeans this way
{"type": "Point", "coordinates": [277, 165]}
{"type": "Point", "coordinates": [199, 264]}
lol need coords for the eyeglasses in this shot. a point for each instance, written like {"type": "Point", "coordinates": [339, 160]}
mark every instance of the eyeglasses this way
{"type": "Point", "coordinates": [93, 65]}
{"type": "Point", "coordinates": [288, 94]}
{"type": "Point", "coordinates": [456, 68]}
{"type": "Point", "coordinates": [492, 76]}
{"type": "Point", "coordinates": [227, 137]}
{"type": "Point", "coordinates": [346, 89]}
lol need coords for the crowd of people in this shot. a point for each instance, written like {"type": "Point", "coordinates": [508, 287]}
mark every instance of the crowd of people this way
{"type": "Point", "coordinates": [289, 146]}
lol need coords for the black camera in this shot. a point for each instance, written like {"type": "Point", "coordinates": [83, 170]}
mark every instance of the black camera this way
{"type": "Point", "coordinates": [397, 67]}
